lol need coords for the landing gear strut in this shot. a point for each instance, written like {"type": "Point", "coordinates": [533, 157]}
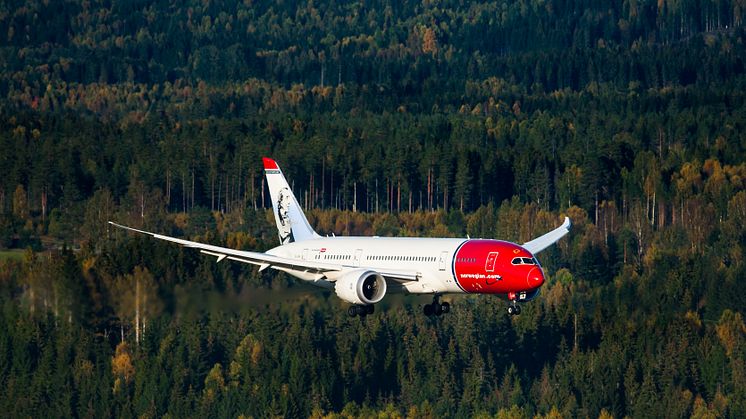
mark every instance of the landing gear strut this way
{"type": "Point", "coordinates": [362, 311]}
{"type": "Point", "coordinates": [436, 307]}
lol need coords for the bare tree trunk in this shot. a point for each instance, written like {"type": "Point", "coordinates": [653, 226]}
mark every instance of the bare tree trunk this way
{"type": "Point", "coordinates": [595, 221]}
{"type": "Point", "coordinates": [376, 195]}
{"type": "Point", "coordinates": [144, 309]}
{"type": "Point", "coordinates": [32, 298]}
{"type": "Point", "coordinates": [606, 227]}
{"type": "Point", "coordinates": [56, 307]}
{"type": "Point", "coordinates": [137, 309]}
{"type": "Point", "coordinates": [575, 333]}
{"type": "Point", "coordinates": [309, 194]}
{"type": "Point", "coordinates": [43, 204]}
{"type": "Point", "coordinates": [168, 188]}
{"type": "Point", "coordinates": [445, 197]}
{"type": "Point", "coordinates": [661, 214]}
{"type": "Point", "coordinates": [253, 191]}
{"type": "Point", "coordinates": [263, 202]}
{"type": "Point", "coordinates": [430, 188]}
{"type": "Point", "coordinates": [398, 196]}
{"type": "Point", "coordinates": [390, 193]}
{"type": "Point", "coordinates": [220, 189]}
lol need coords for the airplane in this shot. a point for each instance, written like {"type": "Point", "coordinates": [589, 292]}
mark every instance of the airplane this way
{"type": "Point", "coordinates": [363, 270]}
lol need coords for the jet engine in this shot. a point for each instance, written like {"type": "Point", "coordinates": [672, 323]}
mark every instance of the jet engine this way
{"type": "Point", "coordinates": [361, 287]}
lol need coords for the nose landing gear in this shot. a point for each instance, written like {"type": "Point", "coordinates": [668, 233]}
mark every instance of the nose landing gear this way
{"type": "Point", "coordinates": [514, 309]}
{"type": "Point", "coordinates": [436, 307]}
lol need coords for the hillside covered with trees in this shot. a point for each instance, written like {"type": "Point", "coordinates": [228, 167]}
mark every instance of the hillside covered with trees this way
{"type": "Point", "coordinates": [434, 118]}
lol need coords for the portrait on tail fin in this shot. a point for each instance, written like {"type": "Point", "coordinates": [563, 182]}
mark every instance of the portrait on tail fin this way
{"type": "Point", "coordinates": [285, 227]}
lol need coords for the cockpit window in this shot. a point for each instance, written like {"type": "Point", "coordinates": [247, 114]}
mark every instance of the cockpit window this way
{"type": "Point", "coordinates": [524, 261]}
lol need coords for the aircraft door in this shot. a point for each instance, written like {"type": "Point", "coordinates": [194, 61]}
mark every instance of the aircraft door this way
{"type": "Point", "coordinates": [442, 261]}
{"type": "Point", "coordinates": [489, 265]}
{"type": "Point", "coordinates": [357, 257]}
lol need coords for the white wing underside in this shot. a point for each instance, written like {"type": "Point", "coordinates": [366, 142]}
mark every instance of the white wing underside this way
{"type": "Point", "coordinates": [263, 260]}
{"type": "Point", "coordinates": [540, 243]}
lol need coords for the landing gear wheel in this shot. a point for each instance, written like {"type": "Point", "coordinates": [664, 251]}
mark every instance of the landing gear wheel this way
{"type": "Point", "coordinates": [436, 307]}
{"type": "Point", "coordinates": [514, 309]}
{"type": "Point", "coordinates": [361, 311]}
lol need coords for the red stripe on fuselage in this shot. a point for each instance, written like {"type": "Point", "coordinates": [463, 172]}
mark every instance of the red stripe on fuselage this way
{"type": "Point", "coordinates": [484, 266]}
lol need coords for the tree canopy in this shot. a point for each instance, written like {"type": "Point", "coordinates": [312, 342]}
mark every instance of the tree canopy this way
{"type": "Point", "coordinates": [436, 118]}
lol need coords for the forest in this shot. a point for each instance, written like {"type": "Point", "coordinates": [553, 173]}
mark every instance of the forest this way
{"type": "Point", "coordinates": [438, 118]}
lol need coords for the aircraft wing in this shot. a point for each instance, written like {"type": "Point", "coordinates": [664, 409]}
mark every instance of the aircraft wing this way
{"type": "Point", "coordinates": [540, 243]}
{"type": "Point", "coordinates": [264, 260]}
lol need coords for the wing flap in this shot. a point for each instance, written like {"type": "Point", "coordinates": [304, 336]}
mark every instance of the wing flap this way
{"type": "Point", "coordinates": [400, 276]}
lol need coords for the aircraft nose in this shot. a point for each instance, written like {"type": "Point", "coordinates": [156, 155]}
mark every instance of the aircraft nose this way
{"type": "Point", "coordinates": [535, 278]}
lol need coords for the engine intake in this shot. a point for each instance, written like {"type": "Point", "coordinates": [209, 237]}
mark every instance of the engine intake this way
{"type": "Point", "coordinates": [361, 287]}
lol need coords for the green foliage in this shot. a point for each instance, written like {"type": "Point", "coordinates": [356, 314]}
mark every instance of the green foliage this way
{"type": "Point", "coordinates": [395, 119]}
{"type": "Point", "coordinates": [637, 344]}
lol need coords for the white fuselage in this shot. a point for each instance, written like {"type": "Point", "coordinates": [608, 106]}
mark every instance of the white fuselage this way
{"type": "Point", "coordinates": [431, 258]}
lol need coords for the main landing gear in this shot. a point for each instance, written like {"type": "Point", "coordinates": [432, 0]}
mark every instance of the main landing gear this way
{"type": "Point", "coordinates": [436, 307]}
{"type": "Point", "coordinates": [362, 311]}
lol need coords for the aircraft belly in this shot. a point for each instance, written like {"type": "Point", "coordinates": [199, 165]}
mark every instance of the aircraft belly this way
{"type": "Point", "coordinates": [309, 277]}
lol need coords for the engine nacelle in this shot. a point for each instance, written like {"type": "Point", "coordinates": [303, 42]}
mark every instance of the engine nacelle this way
{"type": "Point", "coordinates": [361, 287]}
